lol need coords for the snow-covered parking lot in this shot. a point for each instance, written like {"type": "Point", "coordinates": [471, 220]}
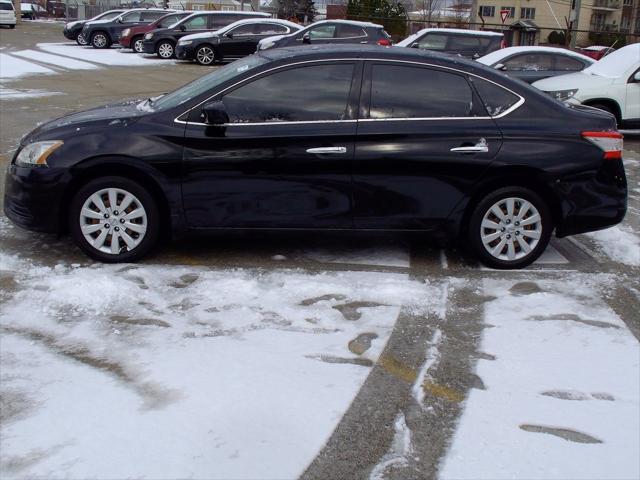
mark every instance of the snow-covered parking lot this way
{"type": "Point", "coordinates": [284, 357]}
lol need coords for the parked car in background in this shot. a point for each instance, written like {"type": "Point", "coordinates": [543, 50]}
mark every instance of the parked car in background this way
{"type": "Point", "coordinates": [73, 30]}
{"type": "Point", "coordinates": [56, 9]}
{"type": "Point", "coordinates": [163, 41]}
{"type": "Point", "coordinates": [104, 33]}
{"type": "Point", "coordinates": [31, 11]}
{"type": "Point", "coordinates": [349, 137]}
{"type": "Point", "coordinates": [530, 64]}
{"type": "Point", "coordinates": [7, 14]}
{"type": "Point", "coordinates": [233, 41]}
{"type": "Point", "coordinates": [467, 43]}
{"type": "Point", "coordinates": [331, 32]}
{"type": "Point", "coordinates": [611, 84]}
{"type": "Point", "coordinates": [596, 51]}
{"type": "Point", "coordinates": [132, 37]}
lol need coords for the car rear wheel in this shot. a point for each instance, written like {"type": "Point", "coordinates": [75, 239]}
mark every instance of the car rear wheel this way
{"type": "Point", "coordinates": [165, 49]}
{"type": "Point", "coordinates": [205, 55]}
{"type": "Point", "coordinates": [510, 228]}
{"type": "Point", "coordinates": [136, 44]}
{"type": "Point", "coordinates": [114, 219]}
{"type": "Point", "coordinates": [607, 108]}
{"type": "Point", "coordinates": [100, 40]}
{"type": "Point", "coordinates": [80, 40]}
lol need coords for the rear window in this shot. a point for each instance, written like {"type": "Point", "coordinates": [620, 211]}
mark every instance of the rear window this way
{"type": "Point", "coordinates": [6, 6]}
{"type": "Point", "coordinates": [496, 99]}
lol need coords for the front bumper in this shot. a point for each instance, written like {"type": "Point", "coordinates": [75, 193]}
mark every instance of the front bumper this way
{"type": "Point", "coordinates": [185, 52]}
{"type": "Point", "coordinates": [33, 197]}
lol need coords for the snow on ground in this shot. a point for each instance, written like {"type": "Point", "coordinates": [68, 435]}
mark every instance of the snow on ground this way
{"type": "Point", "coordinates": [15, 94]}
{"type": "Point", "coordinates": [110, 56]}
{"type": "Point", "coordinates": [55, 60]}
{"type": "Point", "coordinates": [11, 67]}
{"type": "Point", "coordinates": [619, 243]}
{"type": "Point", "coordinates": [562, 397]}
{"type": "Point", "coordinates": [176, 372]}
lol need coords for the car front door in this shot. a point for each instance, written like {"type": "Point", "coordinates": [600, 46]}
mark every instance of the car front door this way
{"type": "Point", "coordinates": [424, 140]}
{"type": "Point", "coordinates": [126, 21]}
{"type": "Point", "coordinates": [196, 24]}
{"type": "Point", "coordinates": [240, 41]}
{"type": "Point", "coordinates": [323, 33]}
{"type": "Point", "coordinates": [283, 157]}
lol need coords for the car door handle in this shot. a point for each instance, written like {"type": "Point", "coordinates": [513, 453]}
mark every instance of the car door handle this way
{"type": "Point", "coordinates": [327, 150]}
{"type": "Point", "coordinates": [481, 147]}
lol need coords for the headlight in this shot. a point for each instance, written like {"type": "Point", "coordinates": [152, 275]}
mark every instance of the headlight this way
{"type": "Point", "coordinates": [185, 42]}
{"type": "Point", "coordinates": [563, 95]}
{"type": "Point", "coordinates": [265, 45]}
{"type": "Point", "coordinates": [148, 36]}
{"type": "Point", "coordinates": [37, 153]}
{"type": "Point", "coordinates": [126, 32]}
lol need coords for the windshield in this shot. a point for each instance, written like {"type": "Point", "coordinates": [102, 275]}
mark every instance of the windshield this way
{"type": "Point", "coordinates": [107, 16]}
{"type": "Point", "coordinates": [617, 63]}
{"type": "Point", "coordinates": [202, 84]}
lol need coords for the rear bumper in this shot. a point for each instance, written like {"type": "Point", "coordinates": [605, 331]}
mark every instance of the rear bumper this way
{"type": "Point", "coordinates": [33, 197]}
{"type": "Point", "coordinates": [7, 21]}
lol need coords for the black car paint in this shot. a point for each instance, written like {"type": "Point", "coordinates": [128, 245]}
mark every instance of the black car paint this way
{"type": "Point", "coordinates": [73, 29]}
{"type": "Point", "coordinates": [397, 177]}
{"type": "Point", "coordinates": [176, 32]}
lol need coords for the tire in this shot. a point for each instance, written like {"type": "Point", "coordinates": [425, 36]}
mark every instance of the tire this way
{"type": "Point", "coordinates": [503, 242]}
{"type": "Point", "coordinates": [100, 40]}
{"type": "Point", "coordinates": [165, 49]}
{"type": "Point", "coordinates": [606, 108]}
{"type": "Point", "coordinates": [91, 220]}
{"type": "Point", "coordinates": [136, 44]}
{"type": "Point", "coordinates": [206, 55]}
{"type": "Point", "coordinates": [12, 26]}
{"type": "Point", "coordinates": [80, 40]}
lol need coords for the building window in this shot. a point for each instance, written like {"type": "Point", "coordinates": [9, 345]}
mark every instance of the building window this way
{"type": "Point", "coordinates": [487, 11]}
{"type": "Point", "coordinates": [512, 11]}
{"type": "Point", "coordinates": [528, 13]}
{"type": "Point", "coordinates": [628, 2]}
{"type": "Point", "coordinates": [197, 7]}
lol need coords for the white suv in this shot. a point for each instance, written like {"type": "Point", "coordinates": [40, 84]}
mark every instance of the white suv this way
{"type": "Point", "coordinates": [611, 84]}
{"type": "Point", "coordinates": [7, 13]}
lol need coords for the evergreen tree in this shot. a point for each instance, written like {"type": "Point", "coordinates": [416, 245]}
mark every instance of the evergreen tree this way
{"type": "Point", "coordinates": [390, 13]}
{"type": "Point", "coordinates": [299, 10]}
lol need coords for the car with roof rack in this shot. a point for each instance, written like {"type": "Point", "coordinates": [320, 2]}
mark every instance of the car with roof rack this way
{"type": "Point", "coordinates": [455, 41]}
{"type": "Point", "coordinates": [73, 30]}
{"type": "Point", "coordinates": [132, 37]}
{"type": "Point", "coordinates": [104, 33]}
{"type": "Point", "coordinates": [331, 32]}
{"type": "Point", "coordinates": [233, 41]}
{"type": "Point", "coordinates": [163, 41]}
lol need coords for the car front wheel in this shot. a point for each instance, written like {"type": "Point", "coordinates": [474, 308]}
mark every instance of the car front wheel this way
{"type": "Point", "coordinates": [80, 40]}
{"type": "Point", "coordinates": [510, 228]}
{"type": "Point", "coordinates": [114, 219]}
{"type": "Point", "coordinates": [136, 44]}
{"type": "Point", "coordinates": [100, 40]}
{"type": "Point", "coordinates": [205, 55]}
{"type": "Point", "coordinates": [165, 49]}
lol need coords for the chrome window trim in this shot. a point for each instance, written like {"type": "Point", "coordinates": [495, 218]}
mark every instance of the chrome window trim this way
{"type": "Point", "coordinates": [513, 107]}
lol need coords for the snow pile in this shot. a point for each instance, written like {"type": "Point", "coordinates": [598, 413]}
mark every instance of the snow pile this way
{"type": "Point", "coordinates": [12, 67]}
{"type": "Point", "coordinates": [111, 56]}
{"type": "Point", "coordinates": [562, 394]}
{"type": "Point", "coordinates": [619, 244]}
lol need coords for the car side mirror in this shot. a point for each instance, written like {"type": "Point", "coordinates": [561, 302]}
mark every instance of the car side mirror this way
{"type": "Point", "coordinates": [229, 35]}
{"type": "Point", "coordinates": [500, 66]}
{"type": "Point", "coordinates": [214, 113]}
{"type": "Point", "coordinates": [415, 45]}
{"type": "Point", "coordinates": [306, 38]}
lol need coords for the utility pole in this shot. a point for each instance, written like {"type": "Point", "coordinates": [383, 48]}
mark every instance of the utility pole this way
{"type": "Point", "coordinates": [574, 20]}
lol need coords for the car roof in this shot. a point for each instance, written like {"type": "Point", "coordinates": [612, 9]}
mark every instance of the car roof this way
{"type": "Point", "coordinates": [265, 20]}
{"type": "Point", "coordinates": [493, 57]}
{"type": "Point", "coordinates": [461, 31]}
{"type": "Point", "coordinates": [348, 22]}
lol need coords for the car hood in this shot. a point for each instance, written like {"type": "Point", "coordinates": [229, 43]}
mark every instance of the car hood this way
{"type": "Point", "coordinates": [572, 81]}
{"type": "Point", "coordinates": [274, 38]}
{"type": "Point", "coordinates": [98, 22]}
{"type": "Point", "coordinates": [76, 23]}
{"type": "Point", "coordinates": [114, 115]}
{"type": "Point", "coordinates": [196, 36]}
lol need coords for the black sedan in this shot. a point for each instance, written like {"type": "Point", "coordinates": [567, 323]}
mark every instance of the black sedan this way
{"type": "Point", "coordinates": [73, 30]}
{"type": "Point", "coordinates": [231, 42]}
{"type": "Point", "coordinates": [344, 138]}
{"type": "Point", "coordinates": [331, 32]}
{"type": "Point", "coordinates": [163, 41]}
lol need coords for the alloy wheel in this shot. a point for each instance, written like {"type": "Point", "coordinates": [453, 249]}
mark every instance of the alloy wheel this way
{"type": "Point", "coordinates": [137, 46]}
{"type": "Point", "coordinates": [99, 40]}
{"type": "Point", "coordinates": [511, 229]}
{"type": "Point", "coordinates": [81, 40]}
{"type": "Point", "coordinates": [165, 50]}
{"type": "Point", "coordinates": [113, 221]}
{"type": "Point", "coordinates": [205, 55]}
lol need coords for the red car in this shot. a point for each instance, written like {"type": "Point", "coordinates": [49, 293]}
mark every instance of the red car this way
{"type": "Point", "coordinates": [132, 37]}
{"type": "Point", "coordinates": [596, 52]}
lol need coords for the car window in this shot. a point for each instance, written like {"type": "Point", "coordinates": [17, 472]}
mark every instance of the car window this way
{"type": "Point", "coordinates": [196, 23]}
{"type": "Point", "coordinates": [151, 16]}
{"type": "Point", "coordinates": [316, 92]}
{"type": "Point", "coordinates": [412, 92]}
{"type": "Point", "coordinates": [271, 29]}
{"type": "Point", "coordinates": [495, 98]}
{"type": "Point", "coordinates": [568, 64]}
{"type": "Point", "coordinates": [131, 17]}
{"type": "Point", "coordinates": [170, 20]}
{"type": "Point", "coordinates": [219, 21]}
{"type": "Point", "coordinates": [350, 31]}
{"type": "Point", "coordinates": [6, 6]}
{"type": "Point", "coordinates": [322, 31]}
{"type": "Point", "coordinates": [433, 41]}
{"type": "Point", "coordinates": [243, 30]}
{"type": "Point", "coordinates": [531, 62]}
{"type": "Point", "coordinates": [463, 42]}
{"type": "Point", "coordinates": [107, 16]}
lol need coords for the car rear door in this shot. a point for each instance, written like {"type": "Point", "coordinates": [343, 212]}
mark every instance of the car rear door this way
{"type": "Point", "coordinates": [424, 139]}
{"type": "Point", "coordinates": [283, 159]}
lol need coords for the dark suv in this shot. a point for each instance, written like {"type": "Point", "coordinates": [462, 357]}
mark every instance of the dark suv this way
{"type": "Point", "coordinates": [331, 32]}
{"type": "Point", "coordinates": [104, 33]}
{"type": "Point", "coordinates": [73, 30]}
{"type": "Point", "coordinates": [466, 43]}
{"type": "Point", "coordinates": [163, 40]}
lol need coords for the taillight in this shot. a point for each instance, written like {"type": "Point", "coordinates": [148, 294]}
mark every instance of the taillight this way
{"type": "Point", "coordinates": [384, 42]}
{"type": "Point", "coordinates": [609, 142]}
